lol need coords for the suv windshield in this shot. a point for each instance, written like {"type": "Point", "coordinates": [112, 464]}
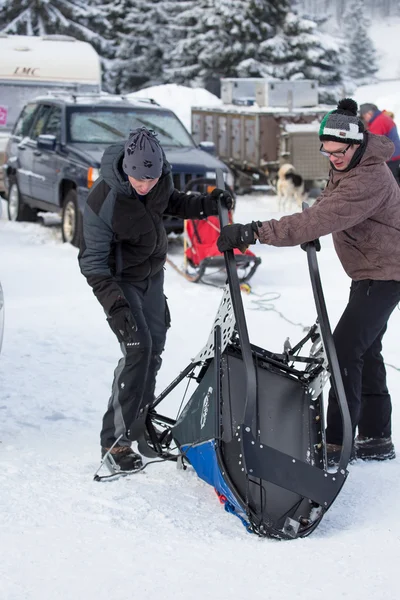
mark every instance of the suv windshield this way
{"type": "Point", "coordinates": [105, 125]}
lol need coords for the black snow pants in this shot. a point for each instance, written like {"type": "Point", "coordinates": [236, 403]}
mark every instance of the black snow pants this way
{"type": "Point", "coordinates": [358, 340]}
{"type": "Point", "coordinates": [135, 376]}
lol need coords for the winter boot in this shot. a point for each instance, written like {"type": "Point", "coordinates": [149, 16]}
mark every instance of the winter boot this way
{"type": "Point", "coordinates": [333, 452]}
{"type": "Point", "coordinates": [370, 448]}
{"type": "Point", "coordinates": [122, 458]}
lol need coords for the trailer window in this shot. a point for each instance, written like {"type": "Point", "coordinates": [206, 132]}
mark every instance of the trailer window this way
{"type": "Point", "coordinates": [25, 120]}
{"type": "Point", "coordinates": [91, 125]}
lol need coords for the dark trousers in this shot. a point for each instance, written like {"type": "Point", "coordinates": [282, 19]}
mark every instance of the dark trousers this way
{"type": "Point", "coordinates": [135, 376]}
{"type": "Point", "coordinates": [394, 166]}
{"type": "Point", "coordinates": [358, 340]}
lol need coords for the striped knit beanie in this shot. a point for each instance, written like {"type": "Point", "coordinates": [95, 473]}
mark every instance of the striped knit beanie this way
{"type": "Point", "coordinates": [342, 124]}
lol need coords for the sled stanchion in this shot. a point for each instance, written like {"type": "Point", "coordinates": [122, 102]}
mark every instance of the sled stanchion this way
{"type": "Point", "coordinates": [172, 385]}
{"type": "Point", "coordinates": [217, 381]}
{"type": "Point", "coordinates": [250, 413]}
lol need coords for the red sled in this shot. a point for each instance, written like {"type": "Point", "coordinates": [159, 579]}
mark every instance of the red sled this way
{"type": "Point", "coordinates": [202, 254]}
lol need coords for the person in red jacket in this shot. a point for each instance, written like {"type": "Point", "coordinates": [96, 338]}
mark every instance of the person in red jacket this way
{"type": "Point", "coordinates": [381, 123]}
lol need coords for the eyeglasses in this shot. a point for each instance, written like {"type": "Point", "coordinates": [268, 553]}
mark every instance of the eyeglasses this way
{"type": "Point", "coordinates": [337, 154]}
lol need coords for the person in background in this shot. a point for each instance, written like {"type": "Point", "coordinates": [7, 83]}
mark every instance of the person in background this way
{"type": "Point", "coordinates": [122, 256]}
{"type": "Point", "coordinates": [381, 123]}
{"type": "Point", "coordinates": [360, 206]}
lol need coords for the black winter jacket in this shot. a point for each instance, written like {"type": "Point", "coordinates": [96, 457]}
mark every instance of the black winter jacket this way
{"type": "Point", "coordinates": [123, 235]}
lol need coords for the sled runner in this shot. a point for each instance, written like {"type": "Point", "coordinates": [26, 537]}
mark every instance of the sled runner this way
{"type": "Point", "coordinates": [202, 261]}
{"type": "Point", "coordinates": [253, 427]}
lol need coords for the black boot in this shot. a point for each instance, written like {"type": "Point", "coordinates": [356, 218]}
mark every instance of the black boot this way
{"type": "Point", "coordinates": [370, 448]}
{"type": "Point", "coordinates": [333, 452]}
{"type": "Point", "coordinates": [122, 458]}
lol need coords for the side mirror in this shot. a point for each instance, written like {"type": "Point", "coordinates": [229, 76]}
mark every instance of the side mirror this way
{"type": "Point", "coordinates": [208, 147]}
{"type": "Point", "coordinates": [46, 142]}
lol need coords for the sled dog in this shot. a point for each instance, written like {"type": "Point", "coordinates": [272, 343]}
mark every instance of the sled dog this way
{"type": "Point", "coordinates": [290, 188]}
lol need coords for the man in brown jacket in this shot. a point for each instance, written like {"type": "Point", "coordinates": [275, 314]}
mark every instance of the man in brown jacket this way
{"type": "Point", "coordinates": [360, 206]}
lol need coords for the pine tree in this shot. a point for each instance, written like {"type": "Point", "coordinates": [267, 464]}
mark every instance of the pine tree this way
{"type": "Point", "coordinates": [76, 18]}
{"type": "Point", "coordinates": [256, 39]}
{"type": "Point", "coordinates": [139, 59]}
{"type": "Point", "coordinates": [300, 50]}
{"type": "Point", "coordinates": [221, 34]}
{"type": "Point", "coordinates": [360, 57]}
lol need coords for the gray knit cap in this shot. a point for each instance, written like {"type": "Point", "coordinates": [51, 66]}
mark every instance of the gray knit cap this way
{"type": "Point", "coordinates": [342, 124]}
{"type": "Point", "coordinates": [143, 157]}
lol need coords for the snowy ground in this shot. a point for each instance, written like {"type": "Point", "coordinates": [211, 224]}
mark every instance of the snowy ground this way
{"type": "Point", "coordinates": [160, 534]}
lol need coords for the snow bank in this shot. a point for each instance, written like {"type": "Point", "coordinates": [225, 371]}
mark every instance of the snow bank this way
{"type": "Point", "coordinates": [179, 98]}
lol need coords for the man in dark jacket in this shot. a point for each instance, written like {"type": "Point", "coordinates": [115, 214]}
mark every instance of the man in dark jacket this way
{"type": "Point", "coordinates": [381, 123]}
{"type": "Point", "coordinates": [123, 251]}
{"type": "Point", "coordinates": [360, 206]}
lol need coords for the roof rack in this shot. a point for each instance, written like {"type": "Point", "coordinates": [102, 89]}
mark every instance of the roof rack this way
{"type": "Point", "coordinates": [144, 100]}
{"type": "Point", "coordinates": [75, 95]}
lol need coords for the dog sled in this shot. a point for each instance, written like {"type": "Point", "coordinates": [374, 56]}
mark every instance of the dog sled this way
{"type": "Point", "coordinates": [202, 261]}
{"type": "Point", "coordinates": [253, 425]}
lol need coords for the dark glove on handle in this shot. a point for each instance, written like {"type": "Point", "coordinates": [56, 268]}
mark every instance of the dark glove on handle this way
{"type": "Point", "coordinates": [122, 323]}
{"type": "Point", "coordinates": [238, 236]}
{"type": "Point", "coordinates": [315, 243]}
{"type": "Point", "coordinates": [210, 201]}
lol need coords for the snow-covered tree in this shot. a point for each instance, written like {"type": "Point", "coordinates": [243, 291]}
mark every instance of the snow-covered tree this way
{"type": "Point", "coordinates": [140, 31]}
{"type": "Point", "coordinates": [221, 34]}
{"type": "Point", "coordinates": [256, 39]}
{"type": "Point", "coordinates": [360, 55]}
{"type": "Point", "coordinates": [83, 20]}
{"type": "Point", "coordinates": [301, 50]}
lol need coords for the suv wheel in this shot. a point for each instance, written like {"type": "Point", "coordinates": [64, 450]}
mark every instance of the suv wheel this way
{"type": "Point", "coordinates": [71, 224]}
{"type": "Point", "coordinates": [17, 209]}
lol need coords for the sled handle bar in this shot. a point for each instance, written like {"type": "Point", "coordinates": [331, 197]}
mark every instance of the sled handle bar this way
{"type": "Point", "coordinates": [250, 412]}
{"type": "Point", "coordinates": [330, 350]}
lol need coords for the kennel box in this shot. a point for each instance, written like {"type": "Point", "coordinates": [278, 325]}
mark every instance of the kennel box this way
{"type": "Point", "coordinates": [291, 94]}
{"type": "Point", "coordinates": [239, 90]}
{"type": "Point", "coordinates": [253, 138]}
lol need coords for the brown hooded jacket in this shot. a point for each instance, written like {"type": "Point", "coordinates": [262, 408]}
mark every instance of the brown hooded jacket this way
{"type": "Point", "coordinates": [361, 208]}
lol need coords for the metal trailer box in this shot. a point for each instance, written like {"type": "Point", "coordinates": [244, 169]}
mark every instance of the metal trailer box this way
{"type": "Point", "coordinates": [300, 147]}
{"type": "Point", "coordinates": [291, 94]}
{"type": "Point", "coordinates": [239, 90]}
{"type": "Point", "coordinates": [249, 138]}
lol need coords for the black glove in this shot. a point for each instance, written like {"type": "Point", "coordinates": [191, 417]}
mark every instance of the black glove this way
{"type": "Point", "coordinates": [315, 243]}
{"type": "Point", "coordinates": [238, 236]}
{"type": "Point", "coordinates": [210, 201]}
{"type": "Point", "coordinates": [122, 323]}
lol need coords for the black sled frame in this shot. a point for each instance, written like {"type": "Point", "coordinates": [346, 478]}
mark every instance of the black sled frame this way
{"type": "Point", "coordinates": [267, 421]}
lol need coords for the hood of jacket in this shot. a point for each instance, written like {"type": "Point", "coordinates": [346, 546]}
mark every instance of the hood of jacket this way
{"type": "Point", "coordinates": [379, 150]}
{"type": "Point", "coordinates": [112, 173]}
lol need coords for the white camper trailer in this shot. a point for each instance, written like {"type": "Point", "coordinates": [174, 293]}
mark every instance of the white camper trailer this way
{"type": "Point", "coordinates": [32, 65]}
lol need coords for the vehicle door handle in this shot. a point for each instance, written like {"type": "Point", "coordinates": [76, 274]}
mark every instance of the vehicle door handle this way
{"type": "Point", "coordinates": [37, 153]}
{"type": "Point", "coordinates": [21, 147]}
